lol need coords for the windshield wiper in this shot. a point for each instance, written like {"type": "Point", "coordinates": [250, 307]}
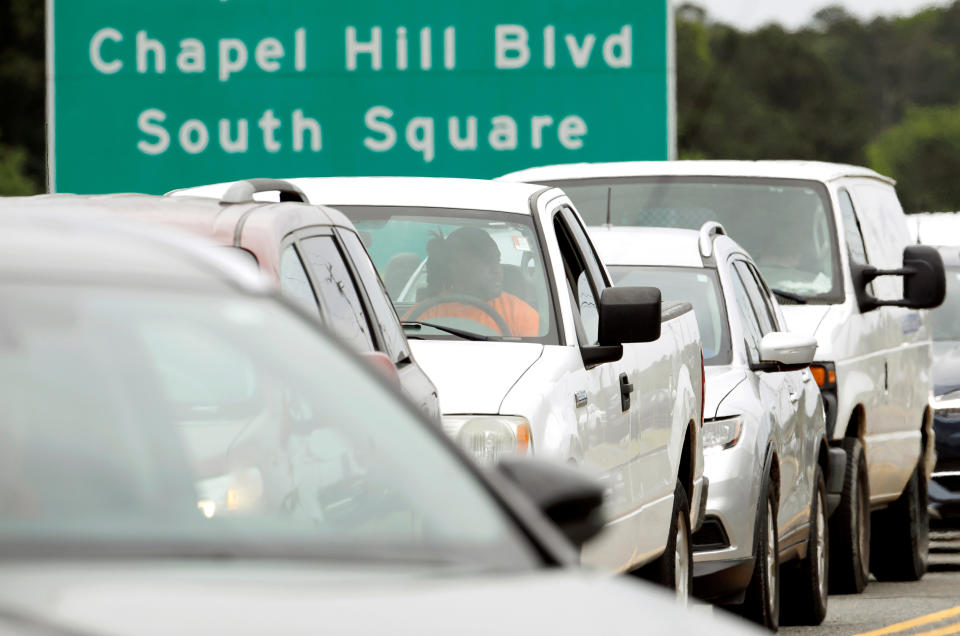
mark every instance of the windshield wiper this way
{"type": "Point", "coordinates": [797, 299]}
{"type": "Point", "coordinates": [466, 335]}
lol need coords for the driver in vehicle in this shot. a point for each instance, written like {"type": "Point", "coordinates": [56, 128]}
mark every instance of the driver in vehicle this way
{"type": "Point", "coordinates": [466, 266]}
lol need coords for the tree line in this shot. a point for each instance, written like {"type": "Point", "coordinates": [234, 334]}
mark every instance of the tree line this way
{"type": "Point", "coordinates": [883, 93]}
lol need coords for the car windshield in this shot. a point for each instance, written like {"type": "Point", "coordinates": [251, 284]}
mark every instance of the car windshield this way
{"type": "Point", "coordinates": [693, 285]}
{"type": "Point", "coordinates": [946, 317]}
{"type": "Point", "coordinates": [479, 274]}
{"type": "Point", "coordinates": [175, 424]}
{"type": "Point", "coordinates": [786, 225]}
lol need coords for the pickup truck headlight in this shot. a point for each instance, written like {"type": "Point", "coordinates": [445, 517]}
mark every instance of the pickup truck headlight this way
{"type": "Point", "coordinates": [947, 405]}
{"type": "Point", "coordinates": [488, 438]}
{"type": "Point", "coordinates": [722, 432]}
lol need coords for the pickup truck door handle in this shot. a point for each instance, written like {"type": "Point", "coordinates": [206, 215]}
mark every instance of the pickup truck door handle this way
{"type": "Point", "coordinates": [794, 397]}
{"type": "Point", "coordinates": [625, 390]}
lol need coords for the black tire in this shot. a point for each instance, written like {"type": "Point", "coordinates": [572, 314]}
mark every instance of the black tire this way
{"type": "Point", "coordinates": [664, 570]}
{"type": "Point", "coordinates": [902, 534]}
{"type": "Point", "coordinates": [850, 526]}
{"type": "Point", "coordinates": [805, 582]}
{"type": "Point", "coordinates": [762, 600]}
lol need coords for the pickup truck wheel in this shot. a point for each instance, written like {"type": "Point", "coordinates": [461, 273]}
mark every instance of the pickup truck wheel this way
{"type": "Point", "coordinates": [850, 525]}
{"type": "Point", "coordinates": [805, 583]}
{"type": "Point", "coordinates": [762, 601]}
{"type": "Point", "coordinates": [902, 534]}
{"type": "Point", "coordinates": [674, 568]}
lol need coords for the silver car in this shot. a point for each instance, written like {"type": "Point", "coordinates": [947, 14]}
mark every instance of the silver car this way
{"type": "Point", "coordinates": [764, 434]}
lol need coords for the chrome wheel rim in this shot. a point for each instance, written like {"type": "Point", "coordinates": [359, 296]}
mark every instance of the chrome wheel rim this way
{"type": "Point", "coordinates": [821, 549]}
{"type": "Point", "coordinates": [771, 556]}
{"type": "Point", "coordinates": [681, 562]}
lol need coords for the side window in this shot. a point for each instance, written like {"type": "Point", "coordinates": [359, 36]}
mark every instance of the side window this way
{"type": "Point", "coordinates": [853, 232]}
{"type": "Point", "coordinates": [761, 309]}
{"type": "Point", "coordinates": [385, 314]}
{"type": "Point", "coordinates": [294, 281]}
{"type": "Point", "coordinates": [338, 294]}
{"type": "Point", "coordinates": [772, 307]}
{"type": "Point", "coordinates": [582, 292]}
{"type": "Point", "coordinates": [751, 330]}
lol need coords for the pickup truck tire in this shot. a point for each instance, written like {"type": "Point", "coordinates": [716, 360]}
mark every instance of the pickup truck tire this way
{"type": "Point", "coordinates": [674, 568]}
{"type": "Point", "coordinates": [805, 582]}
{"type": "Point", "coordinates": [850, 525]}
{"type": "Point", "coordinates": [762, 600]}
{"type": "Point", "coordinates": [902, 534]}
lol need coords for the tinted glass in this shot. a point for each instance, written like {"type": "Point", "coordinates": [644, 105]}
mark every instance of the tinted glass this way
{"type": "Point", "coordinates": [470, 270]}
{"type": "Point", "coordinates": [294, 281]}
{"type": "Point", "coordinates": [758, 299]}
{"type": "Point", "coordinates": [338, 294]}
{"type": "Point", "coordinates": [748, 320]}
{"type": "Point", "coordinates": [383, 312]}
{"type": "Point", "coordinates": [185, 425]}
{"type": "Point", "coordinates": [853, 233]}
{"type": "Point", "coordinates": [700, 288]}
{"type": "Point", "coordinates": [785, 225]}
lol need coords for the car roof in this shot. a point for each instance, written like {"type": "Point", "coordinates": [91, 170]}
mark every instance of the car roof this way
{"type": "Point", "coordinates": [655, 246]}
{"type": "Point", "coordinates": [809, 170]}
{"type": "Point", "coordinates": [39, 240]}
{"type": "Point", "coordinates": [426, 192]}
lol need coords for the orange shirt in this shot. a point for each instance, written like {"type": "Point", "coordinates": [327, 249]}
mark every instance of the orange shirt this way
{"type": "Point", "coordinates": [522, 319]}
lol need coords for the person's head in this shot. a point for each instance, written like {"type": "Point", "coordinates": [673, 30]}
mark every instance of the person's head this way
{"type": "Point", "coordinates": [474, 263]}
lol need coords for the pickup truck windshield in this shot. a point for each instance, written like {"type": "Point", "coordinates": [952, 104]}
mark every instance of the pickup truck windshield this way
{"type": "Point", "coordinates": [167, 424]}
{"type": "Point", "coordinates": [473, 274]}
{"type": "Point", "coordinates": [696, 286]}
{"type": "Point", "coordinates": [786, 225]}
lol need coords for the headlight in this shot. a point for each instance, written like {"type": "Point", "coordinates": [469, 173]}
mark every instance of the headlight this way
{"type": "Point", "coordinates": [489, 438]}
{"type": "Point", "coordinates": [948, 405]}
{"type": "Point", "coordinates": [722, 433]}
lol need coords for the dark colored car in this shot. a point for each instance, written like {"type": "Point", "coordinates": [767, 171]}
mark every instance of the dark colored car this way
{"type": "Point", "coordinates": [945, 483]}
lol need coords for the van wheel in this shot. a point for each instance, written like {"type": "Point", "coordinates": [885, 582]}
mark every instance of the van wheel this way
{"type": "Point", "coordinates": [850, 525]}
{"type": "Point", "coordinates": [762, 601]}
{"type": "Point", "coordinates": [902, 534]}
{"type": "Point", "coordinates": [805, 583]}
{"type": "Point", "coordinates": [674, 568]}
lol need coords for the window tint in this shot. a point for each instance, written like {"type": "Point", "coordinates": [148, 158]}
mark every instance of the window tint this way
{"type": "Point", "coordinates": [582, 294]}
{"type": "Point", "coordinates": [338, 295]}
{"type": "Point", "coordinates": [294, 281]}
{"type": "Point", "coordinates": [589, 314]}
{"type": "Point", "coordinates": [384, 314]}
{"type": "Point", "coordinates": [853, 232]}
{"type": "Point", "coordinates": [748, 321]}
{"type": "Point", "coordinates": [757, 301]}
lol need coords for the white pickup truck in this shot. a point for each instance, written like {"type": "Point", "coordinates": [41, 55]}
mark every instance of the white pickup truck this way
{"type": "Point", "coordinates": [534, 352]}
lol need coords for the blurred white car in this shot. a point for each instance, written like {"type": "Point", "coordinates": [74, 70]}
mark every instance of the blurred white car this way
{"type": "Point", "coordinates": [337, 519]}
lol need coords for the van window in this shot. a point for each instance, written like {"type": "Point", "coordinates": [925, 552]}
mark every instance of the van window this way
{"type": "Point", "coordinates": [884, 231]}
{"type": "Point", "coordinates": [853, 233]}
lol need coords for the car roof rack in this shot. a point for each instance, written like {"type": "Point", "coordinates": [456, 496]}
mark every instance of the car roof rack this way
{"type": "Point", "coordinates": [243, 191]}
{"type": "Point", "coordinates": [708, 231]}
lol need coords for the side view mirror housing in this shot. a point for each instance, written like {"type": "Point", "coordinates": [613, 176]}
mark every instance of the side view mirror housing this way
{"type": "Point", "coordinates": [924, 280]}
{"type": "Point", "coordinates": [565, 495]}
{"type": "Point", "coordinates": [626, 315]}
{"type": "Point", "coordinates": [786, 351]}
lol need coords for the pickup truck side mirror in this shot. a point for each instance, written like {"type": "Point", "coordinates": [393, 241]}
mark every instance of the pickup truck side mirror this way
{"type": "Point", "coordinates": [785, 351]}
{"type": "Point", "coordinates": [565, 495]}
{"type": "Point", "coordinates": [629, 314]}
{"type": "Point", "coordinates": [924, 280]}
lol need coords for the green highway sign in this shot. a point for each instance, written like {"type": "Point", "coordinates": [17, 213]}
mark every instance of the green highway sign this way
{"type": "Point", "coordinates": [151, 96]}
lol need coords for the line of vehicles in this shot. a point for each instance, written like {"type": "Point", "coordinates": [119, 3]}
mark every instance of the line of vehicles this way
{"type": "Point", "coordinates": [728, 366]}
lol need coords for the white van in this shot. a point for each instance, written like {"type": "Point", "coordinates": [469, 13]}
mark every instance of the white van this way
{"type": "Point", "coordinates": [830, 240]}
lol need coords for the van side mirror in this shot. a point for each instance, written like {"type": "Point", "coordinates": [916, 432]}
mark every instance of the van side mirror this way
{"type": "Point", "coordinates": [924, 280]}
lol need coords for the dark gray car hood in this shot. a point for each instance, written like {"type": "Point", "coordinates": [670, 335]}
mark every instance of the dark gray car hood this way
{"type": "Point", "coordinates": [146, 598]}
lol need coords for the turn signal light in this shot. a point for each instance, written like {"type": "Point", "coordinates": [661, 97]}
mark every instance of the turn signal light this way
{"type": "Point", "coordinates": [823, 375]}
{"type": "Point", "coordinates": [523, 438]}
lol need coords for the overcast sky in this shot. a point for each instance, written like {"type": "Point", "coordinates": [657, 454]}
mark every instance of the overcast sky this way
{"type": "Point", "coordinates": [794, 13]}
